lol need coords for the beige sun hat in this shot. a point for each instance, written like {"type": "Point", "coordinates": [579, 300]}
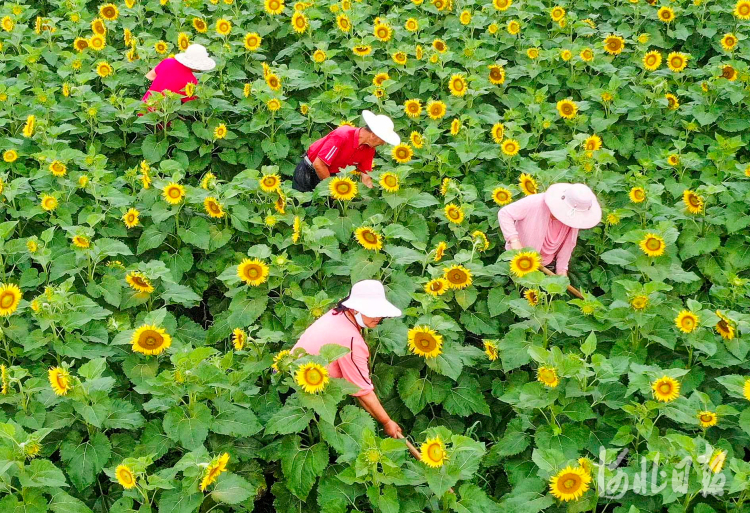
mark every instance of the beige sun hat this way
{"type": "Point", "coordinates": [382, 126]}
{"type": "Point", "coordinates": [574, 205]}
{"type": "Point", "coordinates": [196, 57]}
{"type": "Point", "coordinates": [368, 298]}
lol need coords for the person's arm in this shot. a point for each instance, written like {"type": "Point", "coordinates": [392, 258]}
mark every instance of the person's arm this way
{"type": "Point", "coordinates": [367, 180]}
{"type": "Point", "coordinates": [562, 258]}
{"type": "Point", "coordinates": [507, 218]}
{"type": "Point", "coordinates": [321, 169]}
{"type": "Point", "coordinates": [151, 75]}
{"type": "Point", "coordinates": [365, 167]}
{"type": "Point", "coordinates": [371, 403]}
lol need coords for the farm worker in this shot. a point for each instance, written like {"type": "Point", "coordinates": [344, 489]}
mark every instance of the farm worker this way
{"type": "Point", "coordinates": [549, 222]}
{"type": "Point", "coordinates": [345, 146]}
{"type": "Point", "coordinates": [173, 74]}
{"type": "Point", "coordinates": [365, 307]}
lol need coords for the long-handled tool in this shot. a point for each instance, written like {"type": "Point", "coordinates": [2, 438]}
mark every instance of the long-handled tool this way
{"type": "Point", "coordinates": [571, 288]}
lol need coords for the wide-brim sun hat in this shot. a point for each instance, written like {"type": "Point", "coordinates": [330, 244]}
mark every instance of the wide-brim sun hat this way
{"type": "Point", "coordinates": [574, 205]}
{"type": "Point", "coordinates": [382, 126]}
{"type": "Point", "coordinates": [368, 298]}
{"type": "Point", "coordinates": [196, 57]}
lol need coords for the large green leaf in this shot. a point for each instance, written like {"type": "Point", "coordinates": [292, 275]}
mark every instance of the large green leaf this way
{"type": "Point", "coordinates": [302, 465]}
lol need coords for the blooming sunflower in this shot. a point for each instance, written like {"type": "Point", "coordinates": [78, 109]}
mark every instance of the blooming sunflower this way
{"type": "Point", "coordinates": [138, 282]}
{"type": "Point", "coordinates": [239, 338]}
{"type": "Point", "coordinates": [411, 25]}
{"type": "Point", "coordinates": [498, 132]}
{"type": "Point", "coordinates": [436, 109]}
{"type": "Point", "coordinates": [10, 296]}
{"type": "Point", "coordinates": [109, 12]}
{"type": "Point", "coordinates": [382, 31]}
{"type": "Point", "coordinates": [270, 183]}
{"type": "Point", "coordinates": [652, 60]}
{"type": "Point", "coordinates": [454, 213]}
{"type": "Point", "coordinates": [183, 41]}
{"type": "Point", "coordinates": [59, 380]}
{"type": "Point", "coordinates": [592, 143]}
{"type": "Point", "coordinates": [458, 276]}
{"type": "Point", "coordinates": [369, 238]}
{"type": "Point", "coordinates": [173, 193]}
{"type": "Point", "coordinates": [252, 41]}
{"type": "Point", "coordinates": [125, 476]}
{"type": "Point", "coordinates": [81, 242]}
{"type": "Point", "coordinates": [729, 42]}
{"type": "Point", "coordinates": [673, 103]}
{"type": "Point", "coordinates": [220, 132]}
{"type": "Point", "coordinates": [527, 184]}
{"type": "Point", "coordinates": [104, 69]}
{"type": "Point", "coordinates": [502, 5]}
{"type": "Point", "coordinates": [510, 147]}
{"type": "Point", "coordinates": [665, 14]}
{"type": "Point", "coordinates": [514, 27]}
{"type": "Point", "coordinates": [49, 203]}
{"type": "Point", "coordinates": [666, 389]}
{"type": "Point", "coordinates": [416, 140]}
{"type": "Point", "coordinates": [80, 44]}
{"type": "Point", "coordinates": [491, 350]}
{"type": "Point", "coordinates": [10, 156]}
{"type": "Point", "coordinates": [342, 188]}
{"type": "Point", "coordinates": [97, 42]}
{"type": "Point", "coordinates": [677, 61]}
{"type": "Point", "coordinates": [440, 250]}
{"type": "Point", "coordinates": [532, 53]}
{"type": "Point", "coordinates": [532, 296]}
{"type": "Point", "coordinates": [455, 126]}
{"type": "Point", "coordinates": [547, 376]}
{"type": "Point", "coordinates": [566, 55]}
{"type": "Point", "coordinates": [501, 196]}
{"type": "Point", "coordinates": [440, 46]}
{"type": "Point", "coordinates": [742, 9]}
{"type": "Point", "coordinates": [446, 183]}
{"type": "Point", "coordinates": [273, 7]}
{"type": "Point", "coordinates": [299, 22]}
{"type": "Point", "coordinates": [587, 55]}
{"type": "Point", "coordinates": [343, 23]}
{"type": "Point", "coordinates": [8, 24]}
{"type": "Point", "coordinates": [273, 81]}
{"type": "Point", "coordinates": [716, 464]}
{"type": "Point", "coordinates": [150, 340]}
{"type": "Point", "coordinates": [98, 27]}
{"type": "Point", "coordinates": [389, 182]}
{"type": "Point", "coordinates": [213, 471]}
{"type": "Point", "coordinates": [311, 377]}
{"type": "Point", "coordinates": [686, 321]}
{"type": "Point", "coordinates": [437, 287]}
{"type": "Point", "coordinates": [213, 207]}
{"type": "Point", "coordinates": [673, 160]}
{"type": "Point", "coordinates": [557, 13]}
{"type": "Point", "coordinates": [693, 202]}
{"type": "Point", "coordinates": [200, 25]}
{"type": "Point", "coordinates": [57, 168]}
{"type": "Point", "coordinates": [728, 72]}
{"type": "Point", "coordinates": [433, 449]}
{"type": "Point", "coordinates": [524, 263]}
{"type": "Point", "coordinates": [402, 153]}
{"type": "Point", "coordinates": [652, 245]}
{"type": "Point", "coordinates": [29, 126]}
{"type": "Point", "coordinates": [570, 483]}
{"type": "Point", "coordinates": [254, 272]}
{"type": "Point", "coordinates": [639, 302]}
{"type": "Point", "coordinates": [362, 50]}
{"type": "Point", "coordinates": [637, 195]}
{"type": "Point", "coordinates": [567, 108]}
{"type": "Point", "coordinates": [707, 418]}
{"type": "Point", "coordinates": [399, 58]}
{"type": "Point", "coordinates": [724, 327]}
{"type": "Point", "coordinates": [497, 74]}
{"type": "Point", "coordinates": [425, 342]}
{"type": "Point", "coordinates": [161, 47]}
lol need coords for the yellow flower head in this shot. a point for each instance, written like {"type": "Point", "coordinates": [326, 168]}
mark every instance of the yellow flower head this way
{"type": "Point", "coordinates": [150, 340]}
{"type": "Point", "coordinates": [109, 12]}
{"type": "Point", "coordinates": [437, 287]}
{"type": "Point", "coordinates": [567, 109]}
{"type": "Point", "coordinates": [125, 476]}
{"type": "Point", "coordinates": [389, 181]}
{"type": "Point", "coordinates": [10, 296]}
{"type": "Point", "coordinates": [458, 276]}
{"type": "Point", "coordinates": [686, 321]}
{"type": "Point", "coordinates": [213, 208]}
{"type": "Point", "coordinates": [652, 60]}
{"type": "Point", "coordinates": [454, 213]}
{"type": "Point", "coordinates": [665, 14]}
{"type": "Point", "coordinates": [524, 263]}
{"type": "Point", "coordinates": [402, 153]}
{"type": "Point", "coordinates": [729, 42]}
{"type": "Point", "coordinates": [278, 358]}
{"type": "Point", "coordinates": [480, 240]}
{"type": "Point", "coordinates": [491, 350]}
{"type": "Point", "coordinates": [424, 341]}
{"type": "Point", "coordinates": [510, 147]}
{"type": "Point", "coordinates": [570, 483]}
{"type": "Point", "coordinates": [311, 377]}
{"type": "Point", "coordinates": [532, 296]}
{"type": "Point", "coordinates": [59, 380]}
{"type": "Point", "coordinates": [707, 419]}
{"type": "Point", "coordinates": [547, 376]}
{"type": "Point", "coordinates": [436, 109]}
{"type": "Point", "coordinates": [270, 183]}
{"type": "Point", "coordinates": [637, 195]}
{"type": "Point", "coordinates": [639, 302]}
{"type": "Point", "coordinates": [254, 272]}
{"type": "Point", "coordinates": [666, 389]}
{"type": "Point", "coordinates": [677, 61]}
{"type": "Point", "coordinates": [49, 203]}
{"type": "Point", "coordinates": [613, 45]}
{"type": "Point", "coordinates": [672, 102]}
{"type": "Point", "coordinates": [502, 196]}
{"type": "Point", "coordinates": [693, 202]}
{"type": "Point", "coordinates": [81, 242]}
{"type": "Point", "coordinates": [342, 188]}
{"type": "Point", "coordinates": [433, 449]}
{"type": "Point", "coordinates": [138, 282]}
{"type": "Point", "coordinates": [369, 238]}
{"type": "Point", "coordinates": [440, 251]}
{"type": "Point", "coordinates": [239, 338]}
{"type": "Point", "coordinates": [527, 184]}
{"type": "Point", "coordinates": [652, 245]}
{"type": "Point", "coordinates": [173, 193]}
{"type": "Point", "coordinates": [252, 41]}
{"type": "Point", "coordinates": [497, 74]}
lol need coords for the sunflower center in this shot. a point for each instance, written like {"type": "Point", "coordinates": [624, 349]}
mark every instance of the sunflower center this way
{"type": "Point", "coordinates": [151, 340]}
{"type": "Point", "coordinates": [214, 207]}
{"type": "Point", "coordinates": [131, 218]}
{"type": "Point", "coordinates": [369, 237]}
{"type": "Point", "coordinates": [706, 418]}
{"type": "Point", "coordinates": [744, 9]}
{"type": "Point", "coordinates": [501, 196]}
{"type": "Point", "coordinates": [7, 300]}
{"type": "Point", "coordinates": [126, 476]}
{"type": "Point", "coordinates": [343, 188]}
{"type": "Point", "coordinates": [456, 277]}
{"type": "Point", "coordinates": [571, 482]}
{"type": "Point", "coordinates": [425, 342]}
{"type": "Point", "coordinates": [61, 381]}
{"type": "Point", "coordinates": [436, 286]}
{"type": "Point", "coordinates": [653, 244]}
{"type": "Point", "coordinates": [391, 181]}
{"type": "Point", "coordinates": [252, 272]}
{"type": "Point", "coordinates": [665, 388]}
{"type": "Point", "coordinates": [269, 182]}
{"type": "Point", "coordinates": [687, 322]}
{"type": "Point", "coordinates": [727, 72]}
{"type": "Point", "coordinates": [453, 214]}
{"type": "Point", "coordinates": [313, 376]}
{"type": "Point", "coordinates": [435, 452]}
{"type": "Point", "coordinates": [524, 263]}
{"type": "Point", "coordinates": [694, 200]}
{"type": "Point", "coordinates": [140, 281]}
{"type": "Point", "coordinates": [676, 62]}
{"type": "Point", "coordinates": [174, 192]}
{"type": "Point", "coordinates": [547, 376]}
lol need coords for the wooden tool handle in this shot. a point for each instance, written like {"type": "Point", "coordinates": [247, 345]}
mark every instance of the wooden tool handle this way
{"type": "Point", "coordinates": [571, 288]}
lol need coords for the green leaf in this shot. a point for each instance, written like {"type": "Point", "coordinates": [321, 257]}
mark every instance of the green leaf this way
{"type": "Point", "coordinates": [232, 489]}
{"type": "Point", "coordinates": [335, 496]}
{"type": "Point", "coordinates": [291, 418]}
{"type": "Point", "coordinates": [234, 420]}
{"type": "Point", "coordinates": [618, 257]}
{"type": "Point", "coordinates": [188, 425]}
{"type": "Point", "coordinates": [84, 460]}
{"type": "Point", "coordinates": [197, 233]}
{"type": "Point", "coordinates": [589, 346]}
{"type": "Point", "coordinates": [42, 473]}
{"type": "Point", "coordinates": [346, 435]}
{"type": "Point", "coordinates": [302, 466]}
{"type": "Point", "coordinates": [474, 500]}
{"type": "Point", "coordinates": [61, 502]}
{"type": "Point", "coordinates": [151, 238]}
{"type": "Point", "coordinates": [178, 501]}
{"type": "Point", "coordinates": [465, 398]}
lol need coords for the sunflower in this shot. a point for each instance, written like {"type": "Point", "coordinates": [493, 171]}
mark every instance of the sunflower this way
{"type": "Point", "coordinates": [587, 55]}
{"type": "Point", "coordinates": [532, 296]}
{"type": "Point", "coordinates": [652, 60]}
{"type": "Point", "coordinates": [557, 13]}
{"type": "Point", "coordinates": [10, 296]}
{"type": "Point", "coordinates": [639, 302]}
{"type": "Point", "coordinates": [692, 201]}
{"type": "Point", "coordinates": [239, 338]}
{"type": "Point", "coordinates": [672, 102]}
{"type": "Point", "coordinates": [416, 140]}
{"type": "Point", "coordinates": [480, 239]}
{"type": "Point", "coordinates": [411, 25]}
{"type": "Point", "coordinates": [637, 195]}
{"type": "Point", "coordinates": [527, 184]}
{"type": "Point", "coordinates": [369, 238]}
{"type": "Point", "coordinates": [439, 46]}
{"type": "Point", "coordinates": [433, 449]}
{"type": "Point", "coordinates": [465, 17]}
{"type": "Point", "coordinates": [524, 263]}
{"type": "Point", "coordinates": [454, 213]}
{"type": "Point", "coordinates": [382, 32]}
{"type": "Point", "coordinates": [278, 358]}
{"type": "Point", "coordinates": [213, 207]}
{"type": "Point", "coordinates": [97, 42]}
{"type": "Point", "coordinates": [138, 282]}
{"type": "Point", "coordinates": [716, 464]}
{"type": "Point", "coordinates": [273, 104]}
{"type": "Point", "coordinates": [273, 7]}
{"type": "Point", "coordinates": [98, 27]}
{"type": "Point", "coordinates": [729, 42]}
{"type": "Point", "coordinates": [491, 350]}
{"type": "Point", "coordinates": [498, 132]}
{"type": "Point", "coordinates": [49, 203]}
{"type": "Point", "coordinates": [10, 156]}
{"type": "Point", "coordinates": [80, 44]}
{"type": "Point", "coordinates": [399, 58]}
{"type": "Point", "coordinates": [150, 340]}
{"type": "Point", "coordinates": [424, 341]}
{"type": "Point", "coordinates": [362, 50]}
{"type": "Point", "coordinates": [742, 9]}
{"type": "Point", "coordinates": [570, 483]}
{"type": "Point", "coordinates": [270, 183]}
{"type": "Point", "coordinates": [673, 160]}
{"type": "Point", "coordinates": [514, 27]}
{"type": "Point", "coordinates": [652, 245]}
{"type": "Point", "coordinates": [724, 327]}
{"type": "Point", "coordinates": [458, 276]}
{"type": "Point", "coordinates": [59, 380]}
{"type": "Point", "coordinates": [436, 109]}
{"type": "Point", "coordinates": [8, 24]}
{"type": "Point", "coordinates": [252, 41]}
{"type": "Point", "coordinates": [104, 69]}
{"type": "Point", "coordinates": [378, 81]}
{"type": "Point", "coordinates": [173, 193]}
{"type": "Point", "coordinates": [30, 126]}
{"type": "Point", "coordinates": [502, 5]}
{"type": "Point", "coordinates": [707, 419]}
{"type": "Point", "coordinates": [183, 41]}
{"type": "Point", "coordinates": [677, 61]}
{"type": "Point", "coordinates": [389, 182]}
{"type": "Point", "coordinates": [547, 376]}
{"type": "Point", "coordinates": [343, 188]}
{"type": "Point", "coordinates": [592, 143]}
{"type": "Point", "coordinates": [254, 272]}
{"type": "Point", "coordinates": [566, 55]}
{"type": "Point", "coordinates": [440, 251]}
{"type": "Point", "coordinates": [57, 168]}
{"type": "Point", "coordinates": [273, 81]}
{"type": "Point", "coordinates": [666, 389]}
{"type": "Point", "coordinates": [402, 153]}
{"type": "Point", "coordinates": [497, 74]}
{"type": "Point", "coordinates": [532, 53]}
{"type": "Point", "coordinates": [665, 14]}
{"type": "Point", "coordinates": [125, 476]}
{"type": "Point", "coordinates": [510, 147]}
{"type": "Point", "coordinates": [343, 22]}
{"type": "Point", "coordinates": [32, 246]}
{"type": "Point", "coordinates": [161, 47]}
{"type": "Point", "coordinates": [81, 242]}
{"type": "Point", "coordinates": [299, 22]}
{"type": "Point", "coordinates": [446, 183]}
{"type": "Point", "coordinates": [437, 287]}
{"type": "Point", "coordinates": [567, 109]}
{"type": "Point", "coordinates": [311, 377]}
{"type": "Point", "coordinates": [729, 73]}
{"type": "Point", "coordinates": [502, 196]}
{"type": "Point", "coordinates": [213, 471]}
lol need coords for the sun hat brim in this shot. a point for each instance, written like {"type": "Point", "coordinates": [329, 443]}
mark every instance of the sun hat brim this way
{"type": "Point", "coordinates": [204, 64]}
{"type": "Point", "coordinates": [388, 135]}
{"type": "Point", "coordinates": [372, 307]}
{"type": "Point", "coordinates": [561, 210]}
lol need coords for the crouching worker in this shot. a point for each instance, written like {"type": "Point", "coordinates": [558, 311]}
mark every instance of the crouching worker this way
{"type": "Point", "coordinates": [365, 307]}
{"type": "Point", "coordinates": [174, 74]}
{"type": "Point", "coordinates": [549, 222]}
{"type": "Point", "coordinates": [345, 146]}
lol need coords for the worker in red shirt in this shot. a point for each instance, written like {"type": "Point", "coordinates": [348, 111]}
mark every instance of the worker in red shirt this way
{"type": "Point", "coordinates": [345, 146]}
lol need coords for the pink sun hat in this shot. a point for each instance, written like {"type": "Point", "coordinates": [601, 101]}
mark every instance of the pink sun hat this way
{"type": "Point", "coordinates": [574, 205]}
{"type": "Point", "coordinates": [368, 298]}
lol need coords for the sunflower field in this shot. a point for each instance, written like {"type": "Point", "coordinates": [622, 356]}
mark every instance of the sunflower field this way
{"type": "Point", "coordinates": [157, 265]}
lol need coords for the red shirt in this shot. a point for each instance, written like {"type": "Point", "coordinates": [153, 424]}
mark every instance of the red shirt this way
{"type": "Point", "coordinates": [171, 76]}
{"type": "Point", "coordinates": [341, 148]}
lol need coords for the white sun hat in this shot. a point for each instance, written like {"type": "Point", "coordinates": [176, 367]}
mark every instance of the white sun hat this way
{"type": "Point", "coordinates": [382, 126]}
{"type": "Point", "coordinates": [368, 298]}
{"type": "Point", "coordinates": [196, 57]}
{"type": "Point", "coordinates": [574, 205]}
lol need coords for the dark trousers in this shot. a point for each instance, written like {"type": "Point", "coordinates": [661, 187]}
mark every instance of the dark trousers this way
{"type": "Point", "coordinates": [305, 178]}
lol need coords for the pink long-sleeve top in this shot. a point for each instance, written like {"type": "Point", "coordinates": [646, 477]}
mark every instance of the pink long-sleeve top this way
{"type": "Point", "coordinates": [530, 221]}
{"type": "Point", "coordinates": [338, 329]}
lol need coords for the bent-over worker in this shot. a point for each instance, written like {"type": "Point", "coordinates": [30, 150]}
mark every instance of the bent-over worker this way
{"type": "Point", "coordinates": [365, 307]}
{"type": "Point", "coordinates": [345, 146]}
{"type": "Point", "coordinates": [173, 74]}
{"type": "Point", "coordinates": [549, 222]}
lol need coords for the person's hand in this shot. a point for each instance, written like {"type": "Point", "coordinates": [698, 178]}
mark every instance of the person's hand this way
{"type": "Point", "coordinates": [367, 180]}
{"type": "Point", "coordinates": [392, 429]}
{"type": "Point", "coordinates": [516, 244]}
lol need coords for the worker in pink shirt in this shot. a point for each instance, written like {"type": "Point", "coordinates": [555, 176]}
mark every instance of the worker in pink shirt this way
{"type": "Point", "coordinates": [365, 307]}
{"type": "Point", "coordinates": [549, 222]}
{"type": "Point", "coordinates": [345, 146]}
{"type": "Point", "coordinates": [173, 74]}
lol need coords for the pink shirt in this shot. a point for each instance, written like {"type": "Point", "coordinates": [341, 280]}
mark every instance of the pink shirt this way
{"type": "Point", "coordinates": [338, 329]}
{"type": "Point", "coordinates": [171, 76]}
{"type": "Point", "coordinates": [530, 221]}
